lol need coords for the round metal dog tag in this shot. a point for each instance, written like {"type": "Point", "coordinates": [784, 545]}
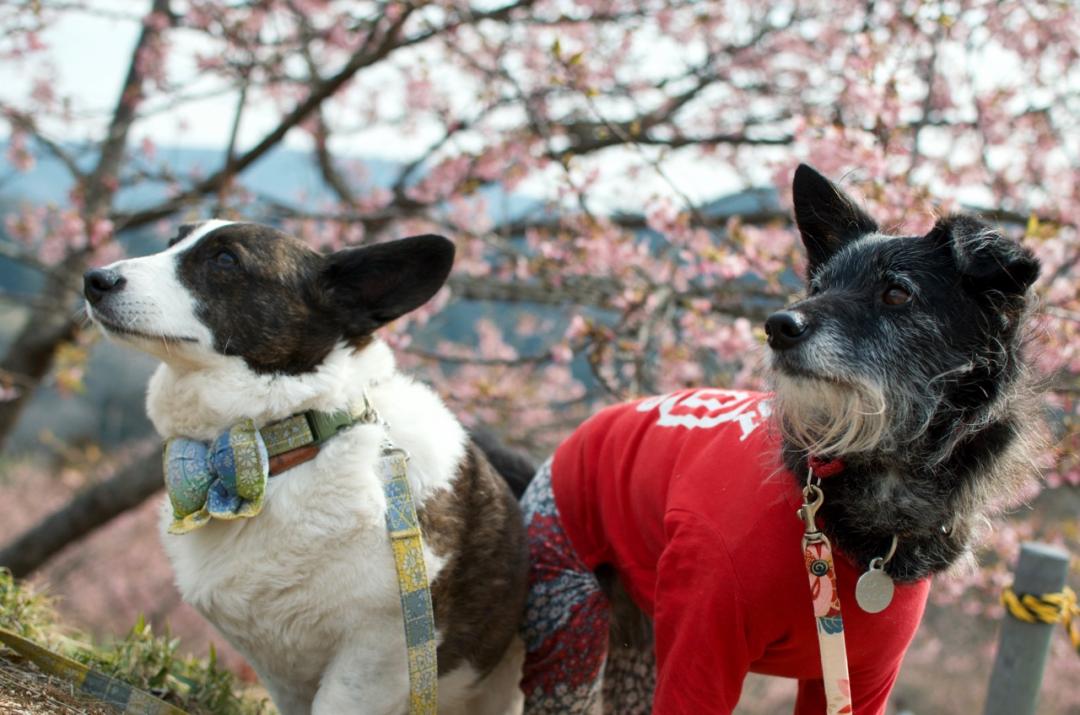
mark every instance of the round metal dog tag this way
{"type": "Point", "coordinates": [874, 591]}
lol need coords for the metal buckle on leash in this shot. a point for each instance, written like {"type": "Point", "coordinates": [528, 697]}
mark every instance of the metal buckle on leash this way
{"type": "Point", "coordinates": [368, 415]}
{"type": "Point", "coordinates": [389, 450]}
{"type": "Point", "coordinates": [813, 498]}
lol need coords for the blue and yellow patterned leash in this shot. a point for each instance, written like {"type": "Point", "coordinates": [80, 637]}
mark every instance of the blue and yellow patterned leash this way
{"type": "Point", "coordinates": [403, 526]}
{"type": "Point", "coordinates": [407, 543]}
{"type": "Point", "coordinates": [126, 698]}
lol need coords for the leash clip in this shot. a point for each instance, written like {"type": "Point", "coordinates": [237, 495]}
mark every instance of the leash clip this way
{"type": "Point", "coordinates": [368, 415]}
{"type": "Point", "coordinates": [813, 498]}
{"type": "Point", "coordinates": [389, 450]}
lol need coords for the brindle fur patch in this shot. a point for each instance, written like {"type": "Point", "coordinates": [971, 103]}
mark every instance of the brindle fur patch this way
{"type": "Point", "coordinates": [479, 595]}
{"type": "Point", "coordinates": [263, 307]}
{"type": "Point", "coordinates": [269, 299]}
{"type": "Point", "coordinates": [630, 627]}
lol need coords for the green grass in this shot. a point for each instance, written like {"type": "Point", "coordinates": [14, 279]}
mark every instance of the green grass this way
{"type": "Point", "coordinates": [29, 614]}
{"type": "Point", "coordinates": [147, 661]}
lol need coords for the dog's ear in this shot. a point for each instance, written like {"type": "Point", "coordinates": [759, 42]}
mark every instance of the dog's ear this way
{"type": "Point", "coordinates": [182, 232]}
{"type": "Point", "coordinates": [367, 287]}
{"type": "Point", "coordinates": [987, 260]}
{"type": "Point", "coordinates": [827, 217]}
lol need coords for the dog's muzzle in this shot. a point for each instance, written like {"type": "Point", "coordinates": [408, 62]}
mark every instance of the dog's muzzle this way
{"type": "Point", "coordinates": [786, 329]}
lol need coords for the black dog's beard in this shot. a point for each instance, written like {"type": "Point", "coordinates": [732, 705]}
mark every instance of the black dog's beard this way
{"type": "Point", "coordinates": [827, 418]}
{"type": "Point", "coordinates": [852, 417]}
{"type": "Point", "coordinates": [846, 414]}
{"type": "Point", "coordinates": [918, 465]}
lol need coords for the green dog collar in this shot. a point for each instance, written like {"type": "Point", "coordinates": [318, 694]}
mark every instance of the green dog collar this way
{"type": "Point", "coordinates": [304, 429]}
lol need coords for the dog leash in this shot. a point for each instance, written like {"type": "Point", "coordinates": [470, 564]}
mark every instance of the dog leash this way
{"type": "Point", "coordinates": [817, 554]}
{"type": "Point", "coordinates": [403, 525]}
{"type": "Point", "coordinates": [124, 697]}
{"type": "Point", "coordinates": [873, 592]}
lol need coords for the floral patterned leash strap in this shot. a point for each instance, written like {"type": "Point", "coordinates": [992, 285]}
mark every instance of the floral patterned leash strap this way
{"type": "Point", "coordinates": [817, 554]}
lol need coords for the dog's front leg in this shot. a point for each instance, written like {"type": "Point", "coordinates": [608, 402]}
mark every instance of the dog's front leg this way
{"type": "Point", "coordinates": [288, 702]}
{"type": "Point", "coordinates": [357, 683]}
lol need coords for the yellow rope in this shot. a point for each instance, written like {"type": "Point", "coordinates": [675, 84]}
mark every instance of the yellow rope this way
{"type": "Point", "coordinates": [1061, 607]}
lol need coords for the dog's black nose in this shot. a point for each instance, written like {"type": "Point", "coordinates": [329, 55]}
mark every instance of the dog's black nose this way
{"type": "Point", "coordinates": [99, 281]}
{"type": "Point", "coordinates": [785, 329]}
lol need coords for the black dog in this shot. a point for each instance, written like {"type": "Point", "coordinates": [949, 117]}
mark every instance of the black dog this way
{"type": "Point", "coordinates": [906, 359]}
{"type": "Point", "coordinates": [900, 378]}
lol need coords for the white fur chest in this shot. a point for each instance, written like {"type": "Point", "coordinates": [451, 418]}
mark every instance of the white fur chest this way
{"type": "Point", "coordinates": [315, 564]}
{"type": "Point", "coordinates": [309, 585]}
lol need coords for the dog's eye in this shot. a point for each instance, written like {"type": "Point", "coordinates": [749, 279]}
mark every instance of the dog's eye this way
{"type": "Point", "coordinates": [815, 289]}
{"type": "Point", "coordinates": [225, 259]}
{"type": "Point", "coordinates": [896, 295]}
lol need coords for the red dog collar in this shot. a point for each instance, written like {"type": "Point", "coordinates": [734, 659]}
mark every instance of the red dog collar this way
{"type": "Point", "coordinates": [825, 468]}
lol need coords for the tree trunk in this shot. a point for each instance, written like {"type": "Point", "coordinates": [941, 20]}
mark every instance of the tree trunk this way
{"type": "Point", "coordinates": [30, 356]}
{"type": "Point", "coordinates": [90, 509]}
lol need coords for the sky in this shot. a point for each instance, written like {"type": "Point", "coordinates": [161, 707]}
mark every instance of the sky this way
{"type": "Point", "coordinates": [91, 52]}
{"type": "Point", "coordinates": [91, 55]}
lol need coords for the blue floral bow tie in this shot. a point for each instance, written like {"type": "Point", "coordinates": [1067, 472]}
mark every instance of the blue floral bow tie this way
{"type": "Point", "coordinates": [225, 479]}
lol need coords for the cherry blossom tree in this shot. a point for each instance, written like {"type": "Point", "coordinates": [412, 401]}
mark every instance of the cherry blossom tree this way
{"type": "Point", "coordinates": [627, 274]}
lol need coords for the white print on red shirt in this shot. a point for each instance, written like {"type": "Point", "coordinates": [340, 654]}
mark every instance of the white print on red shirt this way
{"type": "Point", "coordinates": [709, 407]}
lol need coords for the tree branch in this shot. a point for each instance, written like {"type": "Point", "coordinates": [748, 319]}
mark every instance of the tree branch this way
{"type": "Point", "coordinates": [101, 183]}
{"type": "Point", "coordinates": [31, 352]}
{"type": "Point", "coordinates": [230, 148]}
{"type": "Point", "coordinates": [27, 124]}
{"type": "Point", "coordinates": [87, 511]}
{"type": "Point", "coordinates": [322, 91]}
{"type": "Point", "coordinates": [589, 137]}
{"type": "Point", "coordinates": [362, 58]}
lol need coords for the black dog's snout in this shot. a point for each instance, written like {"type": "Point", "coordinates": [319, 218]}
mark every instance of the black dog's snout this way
{"type": "Point", "coordinates": [100, 281]}
{"type": "Point", "coordinates": [785, 329]}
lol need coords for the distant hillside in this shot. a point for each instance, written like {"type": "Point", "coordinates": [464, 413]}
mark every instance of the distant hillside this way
{"type": "Point", "coordinates": [284, 176]}
{"type": "Point", "coordinates": [111, 411]}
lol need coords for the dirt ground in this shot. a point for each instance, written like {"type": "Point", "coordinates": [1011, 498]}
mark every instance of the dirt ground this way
{"type": "Point", "coordinates": [25, 690]}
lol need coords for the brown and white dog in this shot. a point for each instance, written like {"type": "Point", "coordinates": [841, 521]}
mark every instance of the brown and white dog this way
{"type": "Point", "coordinates": [251, 323]}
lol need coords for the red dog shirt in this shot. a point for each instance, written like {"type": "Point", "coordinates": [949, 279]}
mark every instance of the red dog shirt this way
{"type": "Point", "coordinates": [685, 495]}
